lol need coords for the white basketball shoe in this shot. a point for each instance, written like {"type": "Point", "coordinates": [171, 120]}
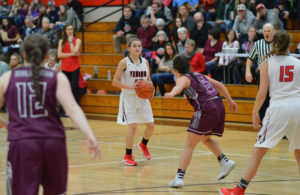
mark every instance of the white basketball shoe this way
{"type": "Point", "coordinates": [226, 167]}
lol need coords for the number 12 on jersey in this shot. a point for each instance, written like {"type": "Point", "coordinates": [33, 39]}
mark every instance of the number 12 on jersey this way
{"type": "Point", "coordinates": [286, 73]}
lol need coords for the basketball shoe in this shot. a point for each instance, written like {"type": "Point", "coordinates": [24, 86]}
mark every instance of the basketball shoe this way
{"type": "Point", "coordinates": [234, 191]}
{"type": "Point", "coordinates": [226, 166]}
{"type": "Point", "coordinates": [144, 150]}
{"type": "Point", "coordinates": [128, 160]}
{"type": "Point", "coordinates": [176, 182]}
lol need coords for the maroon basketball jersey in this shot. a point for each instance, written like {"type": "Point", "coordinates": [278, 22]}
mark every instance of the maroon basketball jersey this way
{"type": "Point", "coordinates": [27, 117]}
{"type": "Point", "coordinates": [198, 94]}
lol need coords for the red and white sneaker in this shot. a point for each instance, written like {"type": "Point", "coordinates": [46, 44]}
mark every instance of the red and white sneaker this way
{"type": "Point", "coordinates": [144, 150]}
{"type": "Point", "coordinates": [128, 160]}
{"type": "Point", "coordinates": [234, 191]}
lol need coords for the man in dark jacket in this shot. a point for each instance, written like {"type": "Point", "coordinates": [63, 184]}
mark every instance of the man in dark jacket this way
{"type": "Point", "coordinates": [125, 29]}
{"type": "Point", "coordinates": [77, 7]}
{"type": "Point", "coordinates": [200, 31]}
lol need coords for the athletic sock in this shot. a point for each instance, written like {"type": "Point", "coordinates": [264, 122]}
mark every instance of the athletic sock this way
{"type": "Point", "coordinates": [243, 183]}
{"type": "Point", "coordinates": [180, 173]}
{"type": "Point", "coordinates": [128, 151]}
{"type": "Point", "coordinates": [222, 156]}
{"type": "Point", "coordinates": [145, 141]}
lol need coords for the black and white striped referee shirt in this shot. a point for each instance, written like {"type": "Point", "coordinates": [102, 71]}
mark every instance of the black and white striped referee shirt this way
{"type": "Point", "coordinates": [260, 49]}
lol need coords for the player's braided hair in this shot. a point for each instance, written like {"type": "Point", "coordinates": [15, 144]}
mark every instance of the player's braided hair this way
{"type": "Point", "coordinates": [35, 47]}
{"type": "Point", "coordinates": [182, 65]}
{"type": "Point", "coordinates": [281, 41]}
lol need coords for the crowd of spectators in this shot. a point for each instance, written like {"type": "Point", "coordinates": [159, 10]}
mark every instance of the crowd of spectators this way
{"type": "Point", "coordinates": [193, 28]}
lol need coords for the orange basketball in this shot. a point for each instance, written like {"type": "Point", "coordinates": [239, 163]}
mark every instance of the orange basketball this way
{"type": "Point", "coordinates": [145, 89]}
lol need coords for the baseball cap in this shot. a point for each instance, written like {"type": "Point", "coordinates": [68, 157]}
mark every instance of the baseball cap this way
{"type": "Point", "coordinates": [241, 7]}
{"type": "Point", "coordinates": [259, 6]}
{"type": "Point", "coordinates": [51, 3]}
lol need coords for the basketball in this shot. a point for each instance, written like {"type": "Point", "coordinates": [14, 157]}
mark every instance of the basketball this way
{"type": "Point", "coordinates": [145, 89]}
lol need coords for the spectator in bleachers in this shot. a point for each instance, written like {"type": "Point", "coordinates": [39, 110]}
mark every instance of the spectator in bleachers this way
{"type": "Point", "coordinates": [165, 10]}
{"type": "Point", "coordinates": [212, 46]}
{"type": "Point", "coordinates": [200, 31]}
{"type": "Point", "coordinates": [78, 8]}
{"type": "Point", "coordinates": [297, 50]}
{"type": "Point", "coordinates": [195, 57]}
{"type": "Point", "coordinates": [160, 25]}
{"type": "Point", "coordinates": [52, 62]}
{"type": "Point", "coordinates": [68, 16]}
{"type": "Point", "coordinates": [4, 9]}
{"type": "Point", "coordinates": [291, 9]}
{"type": "Point", "coordinates": [140, 7]}
{"type": "Point", "coordinates": [3, 67]}
{"type": "Point", "coordinates": [165, 70]}
{"type": "Point", "coordinates": [177, 23]}
{"type": "Point", "coordinates": [126, 28]}
{"type": "Point", "coordinates": [209, 10]}
{"type": "Point", "coordinates": [41, 15]}
{"type": "Point", "coordinates": [193, 5]}
{"type": "Point", "coordinates": [68, 51]}
{"type": "Point", "coordinates": [264, 16]}
{"type": "Point", "coordinates": [224, 19]}
{"type": "Point", "coordinates": [9, 34]}
{"type": "Point", "coordinates": [34, 9]}
{"type": "Point", "coordinates": [182, 35]}
{"type": "Point", "coordinates": [269, 4]}
{"type": "Point", "coordinates": [49, 33]}
{"type": "Point", "coordinates": [160, 41]}
{"type": "Point", "coordinates": [52, 13]}
{"type": "Point", "coordinates": [146, 33]}
{"type": "Point", "coordinates": [243, 20]}
{"type": "Point", "coordinates": [239, 69]}
{"type": "Point", "coordinates": [30, 27]}
{"type": "Point", "coordinates": [15, 61]}
{"type": "Point", "coordinates": [250, 5]}
{"type": "Point", "coordinates": [19, 11]}
{"type": "Point", "coordinates": [188, 21]}
{"type": "Point", "coordinates": [231, 41]}
{"type": "Point", "coordinates": [154, 13]}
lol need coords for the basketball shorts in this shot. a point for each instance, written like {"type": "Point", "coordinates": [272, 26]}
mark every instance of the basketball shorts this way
{"type": "Point", "coordinates": [281, 119]}
{"type": "Point", "coordinates": [210, 120]}
{"type": "Point", "coordinates": [133, 109]}
{"type": "Point", "coordinates": [35, 162]}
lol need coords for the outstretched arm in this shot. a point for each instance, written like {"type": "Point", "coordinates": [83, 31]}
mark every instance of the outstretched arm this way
{"type": "Point", "coordinates": [222, 89]}
{"type": "Point", "coordinates": [65, 97]}
{"type": "Point", "coordinates": [181, 83]}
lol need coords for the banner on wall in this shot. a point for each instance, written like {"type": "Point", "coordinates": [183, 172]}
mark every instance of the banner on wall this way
{"type": "Point", "coordinates": [85, 2]}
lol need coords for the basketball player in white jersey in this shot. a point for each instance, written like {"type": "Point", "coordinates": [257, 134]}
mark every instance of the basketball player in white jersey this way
{"type": "Point", "coordinates": [132, 109]}
{"type": "Point", "coordinates": [280, 74]}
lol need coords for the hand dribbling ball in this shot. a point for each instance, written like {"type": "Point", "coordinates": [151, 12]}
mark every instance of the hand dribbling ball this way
{"type": "Point", "coordinates": [145, 89]}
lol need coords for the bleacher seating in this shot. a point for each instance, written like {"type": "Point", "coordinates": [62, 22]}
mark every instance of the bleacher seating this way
{"type": "Point", "coordinates": [100, 52]}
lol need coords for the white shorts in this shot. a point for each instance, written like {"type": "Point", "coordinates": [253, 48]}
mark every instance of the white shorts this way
{"type": "Point", "coordinates": [133, 109]}
{"type": "Point", "coordinates": [282, 119]}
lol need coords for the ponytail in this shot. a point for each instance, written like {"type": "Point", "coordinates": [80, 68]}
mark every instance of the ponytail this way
{"type": "Point", "coordinates": [35, 48]}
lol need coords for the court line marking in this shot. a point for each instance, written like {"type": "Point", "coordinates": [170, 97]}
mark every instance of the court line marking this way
{"type": "Point", "coordinates": [135, 190]}
{"type": "Point", "coordinates": [180, 149]}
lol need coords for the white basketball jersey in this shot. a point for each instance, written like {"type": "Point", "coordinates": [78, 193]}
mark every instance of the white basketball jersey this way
{"type": "Point", "coordinates": [284, 77]}
{"type": "Point", "coordinates": [134, 73]}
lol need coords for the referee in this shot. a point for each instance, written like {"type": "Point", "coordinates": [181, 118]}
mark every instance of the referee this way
{"type": "Point", "coordinates": [260, 49]}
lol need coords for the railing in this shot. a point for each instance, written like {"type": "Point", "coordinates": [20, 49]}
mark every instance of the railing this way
{"type": "Point", "coordinates": [99, 19]}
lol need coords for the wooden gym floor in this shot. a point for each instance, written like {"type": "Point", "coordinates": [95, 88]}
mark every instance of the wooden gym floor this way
{"type": "Point", "coordinates": [277, 175]}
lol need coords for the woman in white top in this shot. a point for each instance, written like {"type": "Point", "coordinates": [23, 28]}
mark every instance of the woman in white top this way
{"type": "Point", "coordinates": [280, 75]}
{"type": "Point", "coordinates": [132, 109]}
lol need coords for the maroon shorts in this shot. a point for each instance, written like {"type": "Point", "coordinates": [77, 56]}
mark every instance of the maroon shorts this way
{"type": "Point", "coordinates": [34, 162]}
{"type": "Point", "coordinates": [210, 120]}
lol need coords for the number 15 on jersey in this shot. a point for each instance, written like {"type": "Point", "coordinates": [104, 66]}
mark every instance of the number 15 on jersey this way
{"type": "Point", "coordinates": [286, 73]}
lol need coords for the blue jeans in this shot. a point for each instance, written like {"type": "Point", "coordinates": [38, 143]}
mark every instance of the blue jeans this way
{"type": "Point", "coordinates": [210, 66]}
{"type": "Point", "coordinates": [160, 79]}
{"type": "Point", "coordinates": [225, 27]}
